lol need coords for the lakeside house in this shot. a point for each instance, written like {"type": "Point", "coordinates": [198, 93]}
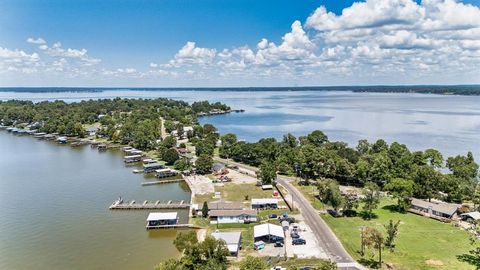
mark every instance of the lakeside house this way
{"type": "Point", "coordinates": [232, 216]}
{"type": "Point", "coordinates": [264, 203]}
{"type": "Point", "coordinates": [159, 219]}
{"type": "Point", "coordinates": [232, 239]}
{"type": "Point", "coordinates": [268, 233]}
{"type": "Point", "coordinates": [219, 169]}
{"type": "Point", "coordinates": [434, 209]}
{"type": "Point", "coordinates": [223, 205]}
{"type": "Point", "coordinates": [471, 216]}
{"type": "Point", "coordinates": [91, 131]}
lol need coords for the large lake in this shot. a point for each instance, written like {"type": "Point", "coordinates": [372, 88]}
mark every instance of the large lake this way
{"type": "Point", "coordinates": [54, 199]}
{"type": "Point", "coordinates": [448, 123]}
{"type": "Point", "coordinates": [54, 209]}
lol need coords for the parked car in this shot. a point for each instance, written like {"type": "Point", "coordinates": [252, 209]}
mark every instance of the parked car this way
{"type": "Point", "coordinates": [278, 244]}
{"type": "Point", "coordinates": [294, 235]}
{"type": "Point", "coordinates": [299, 241]}
{"type": "Point", "coordinates": [272, 216]}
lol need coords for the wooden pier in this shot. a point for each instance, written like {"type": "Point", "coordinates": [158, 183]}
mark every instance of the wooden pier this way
{"type": "Point", "coordinates": [159, 182]}
{"type": "Point", "coordinates": [132, 205]}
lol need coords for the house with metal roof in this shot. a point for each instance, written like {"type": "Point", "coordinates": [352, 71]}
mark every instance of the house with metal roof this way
{"type": "Point", "coordinates": [224, 205]}
{"type": "Point", "coordinates": [232, 239]}
{"type": "Point", "coordinates": [232, 216]}
{"type": "Point", "coordinates": [471, 216]}
{"type": "Point", "coordinates": [264, 203]}
{"type": "Point", "coordinates": [434, 209]}
{"type": "Point", "coordinates": [268, 233]}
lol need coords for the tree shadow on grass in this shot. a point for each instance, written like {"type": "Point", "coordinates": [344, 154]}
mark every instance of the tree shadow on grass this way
{"type": "Point", "coordinates": [393, 209]}
{"type": "Point", "coordinates": [470, 259]}
{"type": "Point", "coordinates": [370, 263]}
{"type": "Point", "coordinates": [366, 216]}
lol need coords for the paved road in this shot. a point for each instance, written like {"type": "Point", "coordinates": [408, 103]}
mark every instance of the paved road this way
{"type": "Point", "coordinates": [325, 236]}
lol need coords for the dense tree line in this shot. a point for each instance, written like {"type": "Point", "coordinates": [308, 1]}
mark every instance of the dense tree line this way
{"type": "Point", "coordinates": [423, 174]}
{"type": "Point", "coordinates": [127, 121]}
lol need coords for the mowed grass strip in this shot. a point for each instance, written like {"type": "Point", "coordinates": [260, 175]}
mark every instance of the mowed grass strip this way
{"type": "Point", "coordinates": [422, 243]}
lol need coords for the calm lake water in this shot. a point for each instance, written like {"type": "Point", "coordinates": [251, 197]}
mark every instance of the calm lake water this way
{"type": "Point", "coordinates": [54, 209]}
{"type": "Point", "coordinates": [54, 199]}
{"type": "Point", "coordinates": [448, 123]}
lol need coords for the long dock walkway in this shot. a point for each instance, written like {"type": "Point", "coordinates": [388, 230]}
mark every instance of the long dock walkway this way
{"type": "Point", "coordinates": [132, 205]}
{"type": "Point", "coordinates": [162, 182]}
{"type": "Point", "coordinates": [173, 226]}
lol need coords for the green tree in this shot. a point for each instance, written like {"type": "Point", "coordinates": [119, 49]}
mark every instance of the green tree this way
{"type": "Point", "coordinates": [317, 138]}
{"type": "Point", "coordinates": [371, 199]}
{"type": "Point", "coordinates": [392, 232]}
{"type": "Point", "coordinates": [267, 172]}
{"type": "Point", "coordinates": [169, 142]}
{"type": "Point", "coordinates": [204, 164]}
{"type": "Point", "coordinates": [334, 196]}
{"type": "Point", "coordinates": [182, 164]}
{"type": "Point", "coordinates": [253, 263]}
{"type": "Point", "coordinates": [170, 156]}
{"type": "Point", "coordinates": [402, 190]}
{"type": "Point", "coordinates": [205, 209]}
{"type": "Point", "coordinates": [374, 239]}
{"type": "Point", "coordinates": [185, 239]}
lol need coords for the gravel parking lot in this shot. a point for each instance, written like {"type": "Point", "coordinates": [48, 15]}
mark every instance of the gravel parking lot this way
{"type": "Point", "coordinates": [310, 250]}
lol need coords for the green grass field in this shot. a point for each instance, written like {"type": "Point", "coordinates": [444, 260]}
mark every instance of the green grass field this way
{"type": "Point", "coordinates": [422, 243]}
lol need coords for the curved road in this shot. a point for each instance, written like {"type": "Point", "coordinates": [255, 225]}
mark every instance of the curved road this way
{"type": "Point", "coordinates": [325, 236]}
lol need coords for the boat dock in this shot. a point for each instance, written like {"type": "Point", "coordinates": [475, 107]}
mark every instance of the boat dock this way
{"type": "Point", "coordinates": [132, 205]}
{"type": "Point", "coordinates": [173, 226]}
{"type": "Point", "coordinates": [159, 182]}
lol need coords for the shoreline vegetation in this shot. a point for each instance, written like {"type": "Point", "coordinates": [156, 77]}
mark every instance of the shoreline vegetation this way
{"type": "Point", "coordinates": [162, 126]}
{"type": "Point", "coordinates": [464, 90]}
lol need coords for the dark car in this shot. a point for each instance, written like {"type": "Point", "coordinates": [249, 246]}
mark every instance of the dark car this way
{"type": "Point", "coordinates": [294, 235]}
{"type": "Point", "coordinates": [299, 241]}
{"type": "Point", "coordinates": [278, 244]}
{"type": "Point", "coordinates": [272, 216]}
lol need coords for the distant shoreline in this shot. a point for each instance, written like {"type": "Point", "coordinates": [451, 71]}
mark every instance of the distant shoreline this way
{"type": "Point", "coordinates": [420, 89]}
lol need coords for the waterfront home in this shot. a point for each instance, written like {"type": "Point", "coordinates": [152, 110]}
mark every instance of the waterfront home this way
{"type": "Point", "coordinates": [264, 203]}
{"type": "Point", "coordinates": [61, 140]}
{"type": "Point", "coordinates": [219, 168]}
{"type": "Point", "coordinates": [159, 219]}
{"type": "Point", "coordinates": [434, 209]}
{"type": "Point", "coordinates": [161, 173]}
{"type": "Point", "coordinates": [151, 167]}
{"type": "Point", "coordinates": [223, 205]}
{"type": "Point", "coordinates": [268, 232]}
{"type": "Point", "coordinates": [232, 239]}
{"type": "Point", "coordinates": [471, 216]}
{"type": "Point", "coordinates": [91, 131]}
{"type": "Point", "coordinates": [132, 158]}
{"type": "Point", "coordinates": [232, 216]}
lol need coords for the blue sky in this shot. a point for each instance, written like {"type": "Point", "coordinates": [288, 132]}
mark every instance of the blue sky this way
{"type": "Point", "coordinates": [114, 42]}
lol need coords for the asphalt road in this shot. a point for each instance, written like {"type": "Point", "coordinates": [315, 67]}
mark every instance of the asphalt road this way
{"type": "Point", "coordinates": [325, 236]}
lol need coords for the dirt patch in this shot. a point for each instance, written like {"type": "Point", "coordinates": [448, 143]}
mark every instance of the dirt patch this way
{"type": "Point", "coordinates": [434, 262]}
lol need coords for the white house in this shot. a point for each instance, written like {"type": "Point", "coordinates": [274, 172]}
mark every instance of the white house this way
{"type": "Point", "coordinates": [232, 239]}
{"type": "Point", "coordinates": [232, 216]}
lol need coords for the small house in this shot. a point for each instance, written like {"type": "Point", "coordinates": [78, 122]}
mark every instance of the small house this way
{"type": "Point", "coordinates": [264, 203]}
{"type": "Point", "coordinates": [161, 219]}
{"type": "Point", "coordinates": [232, 239]}
{"type": "Point", "coordinates": [219, 168]}
{"type": "Point", "coordinates": [223, 205]}
{"type": "Point", "coordinates": [232, 216]}
{"type": "Point", "coordinates": [471, 216]}
{"type": "Point", "coordinates": [434, 209]}
{"type": "Point", "coordinates": [268, 233]}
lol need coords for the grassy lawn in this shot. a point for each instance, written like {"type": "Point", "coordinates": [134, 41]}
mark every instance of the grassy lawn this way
{"type": "Point", "coordinates": [420, 239]}
{"type": "Point", "coordinates": [309, 192]}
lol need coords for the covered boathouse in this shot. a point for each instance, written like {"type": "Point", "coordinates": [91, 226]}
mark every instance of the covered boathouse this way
{"type": "Point", "coordinates": [157, 220]}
